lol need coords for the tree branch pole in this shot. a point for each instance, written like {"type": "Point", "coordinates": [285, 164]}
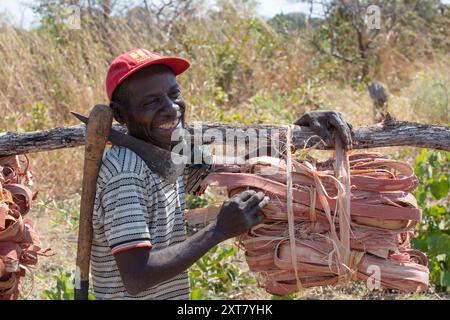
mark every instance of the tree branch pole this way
{"type": "Point", "coordinates": [387, 134]}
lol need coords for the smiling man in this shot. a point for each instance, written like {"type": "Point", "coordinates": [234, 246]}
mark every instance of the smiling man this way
{"type": "Point", "coordinates": [140, 249]}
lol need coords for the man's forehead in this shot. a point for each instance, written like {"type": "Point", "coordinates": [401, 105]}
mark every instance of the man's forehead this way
{"type": "Point", "coordinates": [154, 79]}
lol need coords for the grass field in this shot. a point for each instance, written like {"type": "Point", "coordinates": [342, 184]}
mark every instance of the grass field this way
{"type": "Point", "coordinates": [243, 69]}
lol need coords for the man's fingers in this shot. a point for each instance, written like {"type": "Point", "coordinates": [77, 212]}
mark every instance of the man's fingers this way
{"type": "Point", "coordinates": [350, 130]}
{"type": "Point", "coordinates": [257, 216]}
{"type": "Point", "coordinates": [254, 199]}
{"type": "Point", "coordinates": [322, 130]}
{"type": "Point", "coordinates": [317, 127]}
{"type": "Point", "coordinates": [264, 202]}
{"type": "Point", "coordinates": [256, 208]}
{"type": "Point", "coordinates": [350, 126]}
{"type": "Point", "coordinates": [326, 136]}
{"type": "Point", "coordinates": [245, 195]}
{"type": "Point", "coordinates": [352, 133]}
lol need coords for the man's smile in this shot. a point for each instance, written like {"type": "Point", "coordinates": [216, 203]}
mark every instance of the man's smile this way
{"type": "Point", "coordinates": [169, 125]}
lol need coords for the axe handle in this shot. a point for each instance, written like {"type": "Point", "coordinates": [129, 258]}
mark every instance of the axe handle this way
{"type": "Point", "coordinates": [97, 131]}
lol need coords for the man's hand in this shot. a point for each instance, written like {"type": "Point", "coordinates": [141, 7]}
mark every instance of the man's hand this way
{"type": "Point", "coordinates": [240, 213]}
{"type": "Point", "coordinates": [323, 123]}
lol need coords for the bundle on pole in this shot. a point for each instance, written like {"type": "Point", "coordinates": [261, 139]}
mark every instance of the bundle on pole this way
{"type": "Point", "coordinates": [19, 243]}
{"type": "Point", "coordinates": [350, 218]}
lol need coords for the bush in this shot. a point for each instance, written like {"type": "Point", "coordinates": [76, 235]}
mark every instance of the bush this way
{"type": "Point", "coordinates": [64, 289]}
{"type": "Point", "coordinates": [433, 170]}
{"type": "Point", "coordinates": [430, 98]}
{"type": "Point", "coordinates": [214, 276]}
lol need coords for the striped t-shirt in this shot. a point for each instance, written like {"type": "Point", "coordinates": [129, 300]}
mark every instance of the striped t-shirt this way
{"type": "Point", "coordinates": [134, 208]}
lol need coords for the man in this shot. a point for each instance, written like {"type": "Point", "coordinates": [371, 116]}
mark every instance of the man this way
{"type": "Point", "coordinates": [140, 250]}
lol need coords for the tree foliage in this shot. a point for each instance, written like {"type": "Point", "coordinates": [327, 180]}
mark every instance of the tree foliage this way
{"type": "Point", "coordinates": [433, 170]}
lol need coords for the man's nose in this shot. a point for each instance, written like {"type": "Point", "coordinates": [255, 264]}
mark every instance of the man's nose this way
{"type": "Point", "coordinates": [170, 109]}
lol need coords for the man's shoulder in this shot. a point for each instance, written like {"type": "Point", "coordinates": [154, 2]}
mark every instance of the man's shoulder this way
{"type": "Point", "coordinates": [118, 160]}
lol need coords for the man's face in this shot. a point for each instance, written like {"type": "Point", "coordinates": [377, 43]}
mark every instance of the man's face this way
{"type": "Point", "coordinates": [155, 107]}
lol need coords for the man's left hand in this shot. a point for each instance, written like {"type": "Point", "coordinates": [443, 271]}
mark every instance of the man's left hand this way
{"type": "Point", "coordinates": [323, 123]}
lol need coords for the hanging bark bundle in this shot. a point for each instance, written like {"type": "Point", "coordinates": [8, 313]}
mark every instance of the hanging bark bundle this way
{"type": "Point", "coordinates": [350, 218]}
{"type": "Point", "coordinates": [19, 243]}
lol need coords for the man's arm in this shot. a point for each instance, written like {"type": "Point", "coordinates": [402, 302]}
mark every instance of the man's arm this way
{"type": "Point", "coordinates": [143, 268]}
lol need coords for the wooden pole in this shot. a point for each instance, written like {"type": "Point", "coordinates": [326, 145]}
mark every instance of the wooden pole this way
{"type": "Point", "coordinates": [387, 134]}
{"type": "Point", "coordinates": [97, 132]}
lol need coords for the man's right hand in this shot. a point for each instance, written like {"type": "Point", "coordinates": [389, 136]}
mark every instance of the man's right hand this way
{"type": "Point", "coordinates": [240, 213]}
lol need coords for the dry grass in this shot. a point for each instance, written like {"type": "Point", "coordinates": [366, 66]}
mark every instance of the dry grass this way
{"type": "Point", "coordinates": [58, 234]}
{"type": "Point", "coordinates": [58, 176]}
{"type": "Point", "coordinates": [264, 78]}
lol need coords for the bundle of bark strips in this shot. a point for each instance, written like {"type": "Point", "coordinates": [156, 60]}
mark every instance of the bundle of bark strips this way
{"type": "Point", "coordinates": [350, 218]}
{"type": "Point", "coordinates": [19, 243]}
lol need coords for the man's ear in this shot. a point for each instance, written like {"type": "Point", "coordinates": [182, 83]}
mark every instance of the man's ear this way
{"type": "Point", "coordinates": [117, 111]}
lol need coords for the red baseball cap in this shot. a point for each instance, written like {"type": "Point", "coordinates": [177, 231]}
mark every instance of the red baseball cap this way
{"type": "Point", "coordinates": [128, 63]}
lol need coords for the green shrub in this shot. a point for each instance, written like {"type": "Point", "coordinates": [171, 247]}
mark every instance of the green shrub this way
{"type": "Point", "coordinates": [433, 170]}
{"type": "Point", "coordinates": [429, 97]}
{"type": "Point", "coordinates": [63, 212]}
{"type": "Point", "coordinates": [215, 276]}
{"type": "Point", "coordinates": [64, 289]}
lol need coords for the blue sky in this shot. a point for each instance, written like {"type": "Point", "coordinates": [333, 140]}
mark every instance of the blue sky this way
{"type": "Point", "coordinates": [20, 14]}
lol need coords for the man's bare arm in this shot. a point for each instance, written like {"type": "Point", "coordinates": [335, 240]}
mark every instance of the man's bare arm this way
{"type": "Point", "coordinates": [143, 268]}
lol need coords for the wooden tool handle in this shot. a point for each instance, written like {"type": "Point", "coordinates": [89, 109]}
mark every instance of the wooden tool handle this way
{"type": "Point", "coordinates": [97, 131]}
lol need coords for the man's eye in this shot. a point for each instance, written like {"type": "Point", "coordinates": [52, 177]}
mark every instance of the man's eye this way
{"type": "Point", "coordinates": [175, 95]}
{"type": "Point", "coordinates": [151, 102]}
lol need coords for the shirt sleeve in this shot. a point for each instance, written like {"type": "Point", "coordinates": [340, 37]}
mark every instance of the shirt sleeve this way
{"type": "Point", "coordinates": [124, 204]}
